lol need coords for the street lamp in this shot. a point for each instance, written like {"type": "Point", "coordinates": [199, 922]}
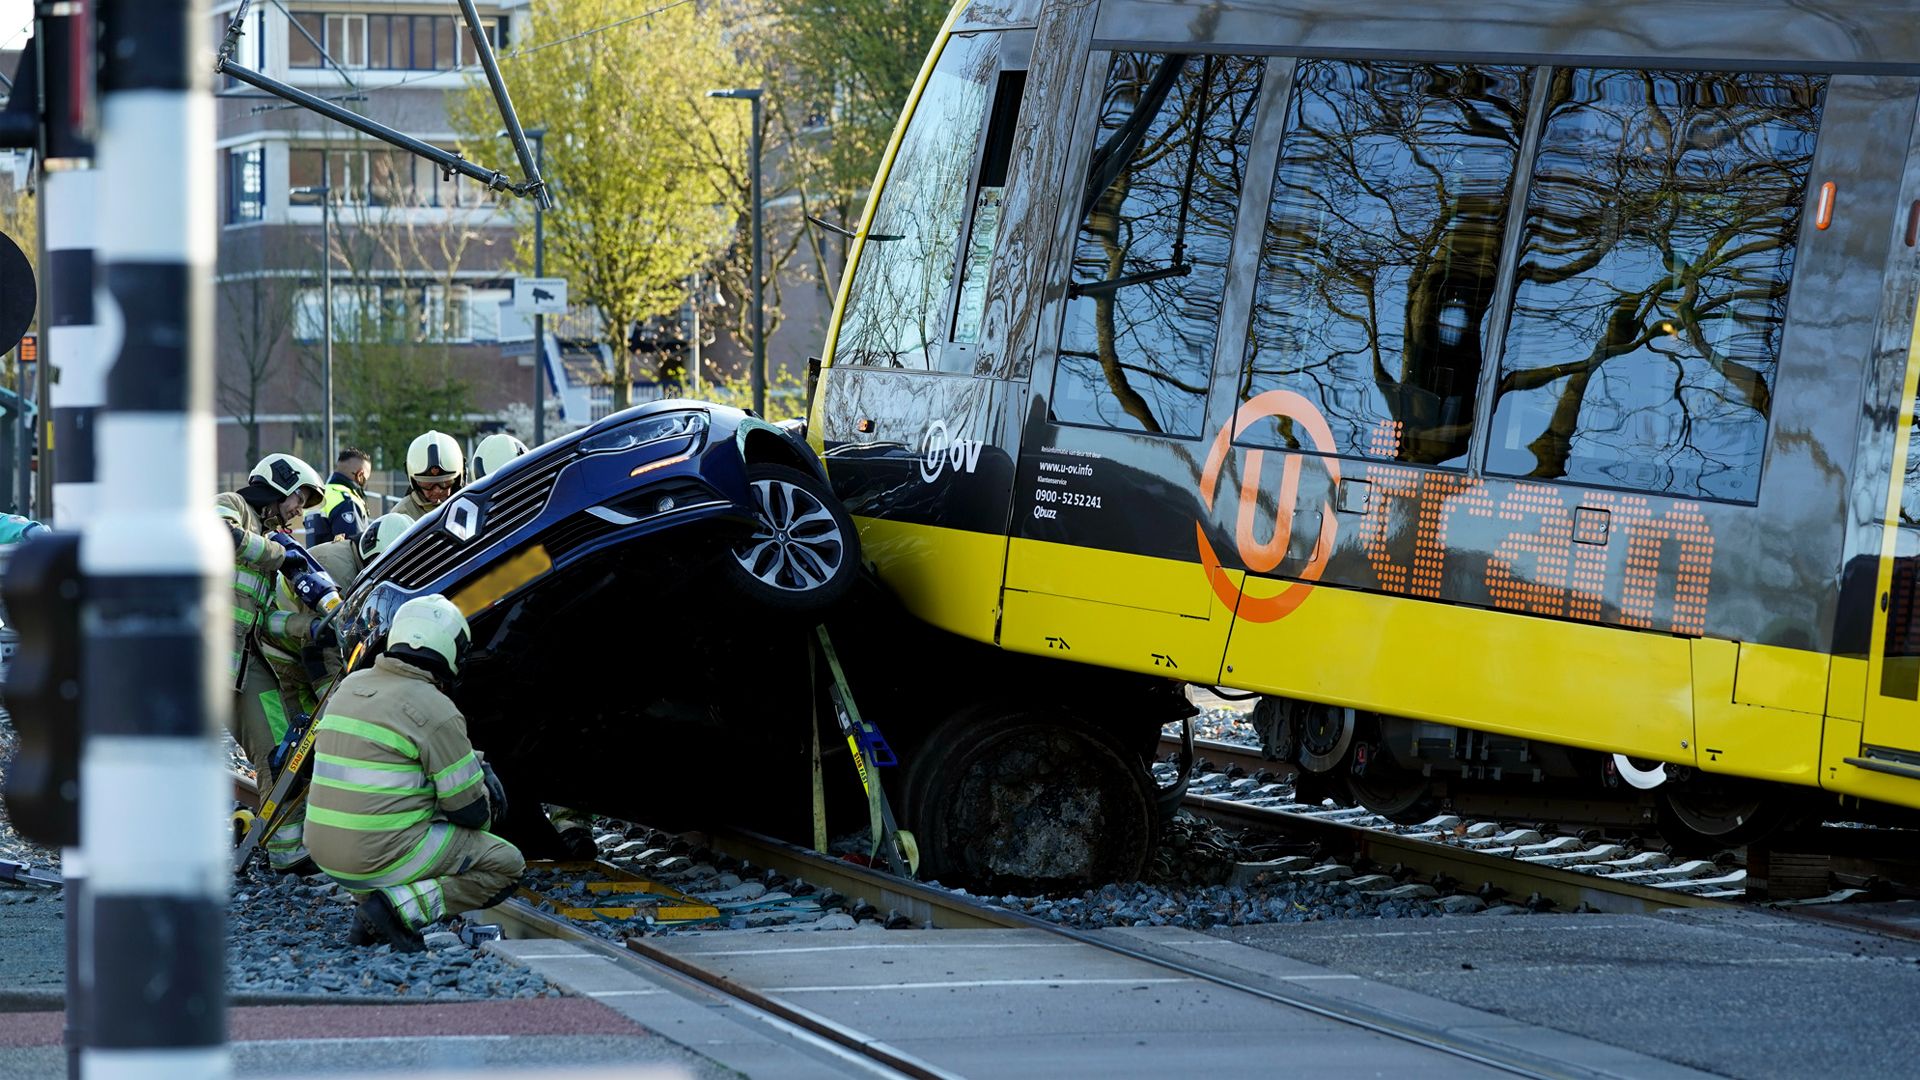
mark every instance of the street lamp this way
{"type": "Point", "coordinates": [324, 193]}
{"type": "Point", "coordinates": [759, 372]}
{"type": "Point", "coordinates": [539, 137]}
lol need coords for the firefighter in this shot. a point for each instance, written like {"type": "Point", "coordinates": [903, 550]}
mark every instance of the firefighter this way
{"type": "Point", "coordinates": [304, 653]}
{"type": "Point", "coordinates": [401, 802]}
{"type": "Point", "coordinates": [494, 451]}
{"type": "Point", "coordinates": [343, 505]}
{"type": "Point", "coordinates": [434, 465]}
{"type": "Point", "coordinates": [278, 490]}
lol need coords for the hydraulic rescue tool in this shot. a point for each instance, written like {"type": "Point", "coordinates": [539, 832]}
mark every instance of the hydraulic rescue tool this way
{"type": "Point", "coordinates": [870, 754]}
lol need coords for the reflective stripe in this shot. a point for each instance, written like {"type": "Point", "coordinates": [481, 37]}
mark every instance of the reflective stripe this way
{"type": "Point", "coordinates": [433, 897]}
{"type": "Point", "coordinates": [349, 774]}
{"type": "Point", "coordinates": [343, 819]}
{"type": "Point", "coordinates": [276, 711]}
{"type": "Point", "coordinates": [457, 777]}
{"type": "Point", "coordinates": [243, 617]}
{"type": "Point", "coordinates": [374, 733]}
{"type": "Point", "coordinates": [406, 867]}
{"type": "Point", "coordinates": [407, 903]}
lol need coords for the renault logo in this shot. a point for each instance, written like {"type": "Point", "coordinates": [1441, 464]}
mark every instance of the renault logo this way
{"type": "Point", "coordinates": [463, 520]}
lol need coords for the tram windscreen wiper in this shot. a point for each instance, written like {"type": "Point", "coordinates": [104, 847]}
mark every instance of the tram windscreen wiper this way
{"type": "Point", "coordinates": [1113, 285]}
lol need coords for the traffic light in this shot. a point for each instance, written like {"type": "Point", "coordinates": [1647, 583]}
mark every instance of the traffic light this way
{"type": "Point", "coordinates": [42, 594]}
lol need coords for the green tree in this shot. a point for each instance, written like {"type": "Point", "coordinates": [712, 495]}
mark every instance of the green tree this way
{"type": "Point", "coordinates": [637, 210]}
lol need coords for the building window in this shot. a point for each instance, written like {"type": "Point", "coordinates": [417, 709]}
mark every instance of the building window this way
{"type": "Point", "coordinates": [1150, 254]}
{"type": "Point", "coordinates": [1652, 290]}
{"type": "Point", "coordinates": [388, 42]}
{"type": "Point", "coordinates": [246, 184]}
{"type": "Point", "coordinates": [1381, 254]}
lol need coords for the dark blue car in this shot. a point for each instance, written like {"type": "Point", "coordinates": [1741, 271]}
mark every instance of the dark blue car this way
{"type": "Point", "coordinates": [633, 583]}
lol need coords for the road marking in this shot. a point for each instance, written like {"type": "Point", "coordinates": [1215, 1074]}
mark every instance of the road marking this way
{"type": "Point", "coordinates": [967, 985]}
{"type": "Point", "coordinates": [560, 956]}
{"type": "Point", "coordinates": [625, 993]}
{"type": "Point", "coordinates": [851, 948]}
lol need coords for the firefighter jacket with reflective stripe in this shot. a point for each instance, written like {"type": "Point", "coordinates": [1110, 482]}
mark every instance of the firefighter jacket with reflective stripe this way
{"type": "Point", "coordinates": [342, 512]}
{"type": "Point", "coordinates": [256, 561]}
{"type": "Point", "coordinates": [391, 756]}
{"type": "Point", "coordinates": [290, 625]}
{"type": "Point", "coordinates": [413, 507]}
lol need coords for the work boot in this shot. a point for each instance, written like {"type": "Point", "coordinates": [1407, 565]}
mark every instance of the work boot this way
{"type": "Point", "coordinates": [377, 919]}
{"type": "Point", "coordinates": [305, 867]}
{"type": "Point", "coordinates": [577, 844]}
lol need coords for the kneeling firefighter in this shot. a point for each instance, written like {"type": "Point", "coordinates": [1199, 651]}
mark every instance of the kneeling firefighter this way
{"type": "Point", "coordinates": [435, 467]}
{"type": "Point", "coordinates": [400, 801]}
{"type": "Point", "coordinates": [277, 490]}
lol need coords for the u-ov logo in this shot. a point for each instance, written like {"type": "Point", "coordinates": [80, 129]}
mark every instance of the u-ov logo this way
{"type": "Point", "coordinates": [939, 452]}
{"type": "Point", "coordinates": [1261, 556]}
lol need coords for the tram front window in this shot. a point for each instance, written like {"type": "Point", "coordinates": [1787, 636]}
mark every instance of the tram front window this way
{"type": "Point", "coordinates": [1652, 293]}
{"type": "Point", "coordinates": [1150, 255]}
{"type": "Point", "coordinates": [1381, 253]}
{"type": "Point", "coordinates": [896, 314]}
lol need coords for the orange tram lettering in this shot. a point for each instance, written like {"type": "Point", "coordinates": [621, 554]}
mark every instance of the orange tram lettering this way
{"type": "Point", "coordinates": [1537, 567]}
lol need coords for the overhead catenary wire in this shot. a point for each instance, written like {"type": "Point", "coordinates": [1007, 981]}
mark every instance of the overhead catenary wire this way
{"type": "Point", "coordinates": [516, 54]}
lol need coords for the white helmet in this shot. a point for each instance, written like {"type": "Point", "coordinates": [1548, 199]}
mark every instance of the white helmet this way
{"type": "Point", "coordinates": [430, 633]}
{"type": "Point", "coordinates": [434, 455]}
{"type": "Point", "coordinates": [494, 451]}
{"type": "Point", "coordinates": [380, 534]}
{"type": "Point", "coordinates": [285, 473]}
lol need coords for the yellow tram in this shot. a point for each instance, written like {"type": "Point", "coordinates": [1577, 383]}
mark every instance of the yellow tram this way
{"type": "Point", "coordinates": [1517, 397]}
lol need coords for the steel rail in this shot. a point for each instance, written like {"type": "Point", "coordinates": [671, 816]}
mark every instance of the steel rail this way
{"type": "Point", "coordinates": [956, 911]}
{"type": "Point", "coordinates": [843, 1042]}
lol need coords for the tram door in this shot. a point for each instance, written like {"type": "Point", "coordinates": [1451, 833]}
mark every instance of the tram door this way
{"type": "Point", "coordinates": [1892, 731]}
{"type": "Point", "coordinates": [1102, 563]}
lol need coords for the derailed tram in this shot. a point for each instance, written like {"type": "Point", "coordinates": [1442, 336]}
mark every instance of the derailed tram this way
{"type": "Point", "coordinates": [1520, 398]}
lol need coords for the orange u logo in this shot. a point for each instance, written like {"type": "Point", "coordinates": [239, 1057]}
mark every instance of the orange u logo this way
{"type": "Point", "coordinates": [1262, 556]}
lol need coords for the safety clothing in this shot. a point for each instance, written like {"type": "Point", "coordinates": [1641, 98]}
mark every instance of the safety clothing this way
{"type": "Point", "coordinates": [434, 455]}
{"type": "Point", "coordinates": [399, 800]}
{"type": "Point", "coordinates": [292, 628]}
{"type": "Point", "coordinates": [342, 511]}
{"type": "Point", "coordinates": [413, 507]}
{"type": "Point", "coordinates": [14, 528]}
{"type": "Point", "coordinates": [380, 535]}
{"type": "Point", "coordinates": [284, 472]}
{"type": "Point", "coordinates": [261, 706]}
{"type": "Point", "coordinates": [430, 633]}
{"type": "Point", "coordinates": [494, 451]}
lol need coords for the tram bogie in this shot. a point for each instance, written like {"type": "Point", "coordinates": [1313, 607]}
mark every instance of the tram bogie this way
{"type": "Point", "coordinates": [1521, 394]}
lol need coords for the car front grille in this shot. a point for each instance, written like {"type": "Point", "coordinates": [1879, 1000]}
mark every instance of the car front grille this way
{"type": "Point", "coordinates": [512, 503]}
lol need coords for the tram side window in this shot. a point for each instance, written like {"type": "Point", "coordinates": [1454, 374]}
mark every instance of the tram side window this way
{"type": "Point", "coordinates": [896, 312]}
{"type": "Point", "coordinates": [1150, 255]}
{"type": "Point", "coordinates": [1900, 669]}
{"type": "Point", "coordinates": [1381, 252]}
{"type": "Point", "coordinates": [1652, 290]}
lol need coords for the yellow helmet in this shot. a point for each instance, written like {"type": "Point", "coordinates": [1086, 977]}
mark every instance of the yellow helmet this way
{"type": "Point", "coordinates": [380, 534]}
{"type": "Point", "coordinates": [494, 451]}
{"type": "Point", "coordinates": [430, 633]}
{"type": "Point", "coordinates": [434, 455]}
{"type": "Point", "coordinates": [285, 474]}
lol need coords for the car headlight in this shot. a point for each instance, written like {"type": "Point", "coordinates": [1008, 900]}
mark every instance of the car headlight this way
{"type": "Point", "coordinates": [650, 429]}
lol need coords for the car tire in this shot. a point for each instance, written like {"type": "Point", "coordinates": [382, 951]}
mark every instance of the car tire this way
{"type": "Point", "coordinates": [805, 555]}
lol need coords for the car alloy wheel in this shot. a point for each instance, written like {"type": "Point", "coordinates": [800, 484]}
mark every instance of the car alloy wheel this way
{"type": "Point", "coordinates": [799, 546]}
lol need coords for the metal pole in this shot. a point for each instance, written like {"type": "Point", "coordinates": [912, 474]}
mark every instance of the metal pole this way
{"type": "Point", "coordinates": [155, 576]}
{"type": "Point", "coordinates": [326, 313]}
{"type": "Point", "coordinates": [535, 185]}
{"type": "Point", "coordinates": [539, 136]}
{"type": "Point", "coordinates": [69, 196]}
{"type": "Point", "coordinates": [693, 296]}
{"type": "Point", "coordinates": [23, 435]}
{"type": "Point", "coordinates": [759, 266]}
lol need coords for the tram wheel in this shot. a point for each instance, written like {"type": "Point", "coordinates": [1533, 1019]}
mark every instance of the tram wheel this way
{"type": "Point", "coordinates": [1400, 796]}
{"type": "Point", "coordinates": [1703, 816]}
{"type": "Point", "coordinates": [1031, 799]}
{"type": "Point", "coordinates": [1326, 731]}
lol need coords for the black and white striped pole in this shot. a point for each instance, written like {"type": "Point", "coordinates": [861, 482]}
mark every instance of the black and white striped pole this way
{"type": "Point", "coordinates": [152, 797]}
{"type": "Point", "coordinates": [69, 199]}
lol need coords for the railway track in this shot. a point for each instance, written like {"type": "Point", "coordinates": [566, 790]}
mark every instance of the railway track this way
{"type": "Point", "coordinates": [936, 908]}
{"type": "Point", "coordinates": [1864, 892]}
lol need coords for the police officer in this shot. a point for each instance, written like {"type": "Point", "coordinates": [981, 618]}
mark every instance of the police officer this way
{"type": "Point", "coordinates": [278, 489]}
{"type": "Point", "coordinates": [400, 801]}
{"type": "Point", "coordinates": [494, 451]}
{"type": "Point", "coordinates": [343, 505]}
{"type": "Point", "coordinates": [434, 466]}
